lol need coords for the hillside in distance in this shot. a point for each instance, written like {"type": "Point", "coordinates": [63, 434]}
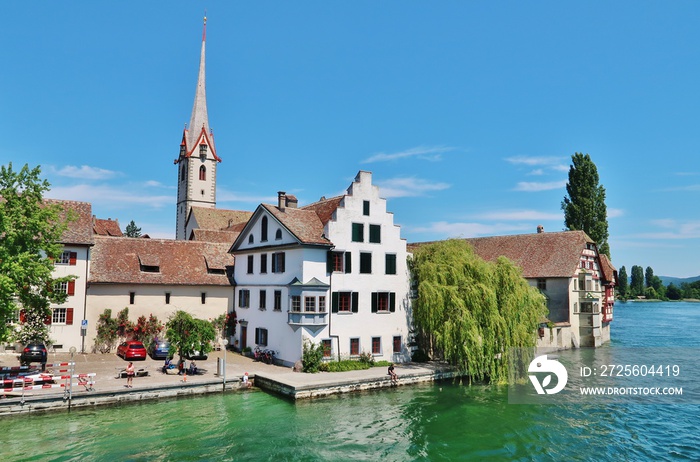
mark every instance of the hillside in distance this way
{"type": "Point", "coordinates": [677, 281]}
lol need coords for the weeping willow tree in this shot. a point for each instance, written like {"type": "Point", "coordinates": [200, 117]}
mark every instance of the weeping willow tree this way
{"type": "Point", "coordinates": [473, 313]}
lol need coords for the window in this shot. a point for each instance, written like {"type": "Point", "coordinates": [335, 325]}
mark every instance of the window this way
{"type": "Point", "coordinates": [326, 348]}
{"type": "Point", "coordinates": [67, 258]}
{"type": "Point", "coordinates": [61, 287]}
{"type": "Point", "coordinates": [322, 304]}
{"type": "Point", "coordinates": [376, 345]}
{"type": "Point", "coordinates": [278, 234]}
{"type": "Point", "coordinates": [344, 302]}
{"type": "Point", "coordinates": [365, 208]}
{"type": "Point", "coordinates": [263, 299]}
{"type": "Point", "coordinates": [383, 302]}
{"type": "Point", "coordinates": [296, 303]}
{"type": "Point", "coordinates": [202, 173]}
{"type": "Point", "coordinates": [542, 284]}
{"type": "Point", "coordinates": [354, 346]}
{"type": "Point", "coordinates": [358, 232]}
{"type": "Point", "coordinates": [278, 262]}
{"type": "Point", "coordinates": [309, 303]}
{"type": "Point", "coordinates": [397, 344]}
{"type": "Point", "coordinates": [263, 263]}
{"type": "Point", "coordinates": [250, 264]}
{"type": "Point", "coordinates": [390, 263]}
{"type": "Point", "coordinates": [244, 298]}
{"type": "Point", "coordinates": [132, 297]}
{"type": "Point", "coordinates": [365, 263]}
{"type": "Point", "coordinates": [339, 262]}
{"type": "Point", "coordinates": [204, 298]}
{"type": "Point", "coordinates": [261, 336]}
{"type": "Point", "coordinates": [251, 239]}
{"type": "Point", "coordinates": [263, 229]}
{"type": "Point", "coordinates": [182, 170]}
{"type": "Point", "coordinates": [375, 234]}
{"type": "Point", "coordinates": [167, 298]}
{"type": "Point", "coordinates": [62, 316]}
{"type": "Point", "coordinates": [278, 300]}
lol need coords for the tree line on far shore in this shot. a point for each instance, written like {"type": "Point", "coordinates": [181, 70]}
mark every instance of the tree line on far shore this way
{"type": "Point", "coordinates": [645, 284]}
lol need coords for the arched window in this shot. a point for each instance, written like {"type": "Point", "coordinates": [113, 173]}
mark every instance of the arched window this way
{"type": "Point", "coordinates": [263, 229]}
{"type": "Point", "coordinates": [250, 239]}
{"type": "Point", "coordinates": [202, 173]}
{"type": "Point", "coordinates": [278, 234]}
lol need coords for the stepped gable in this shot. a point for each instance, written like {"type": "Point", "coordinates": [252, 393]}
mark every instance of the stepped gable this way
{"type": "Point", "coordinates": [106, 227]}
{"type": "Point", "coordinates": [79, 229]}
{"type": "Point", "coordinates": [540, 255]}
{"type": "Point", "coordinates": [123, 260]}
{"type": "Point", "coordinates": [325, 208]}
{"type": "Point", "coordinates": [304, 224]}
{"type": "Point", "coordinates": [218, 219]}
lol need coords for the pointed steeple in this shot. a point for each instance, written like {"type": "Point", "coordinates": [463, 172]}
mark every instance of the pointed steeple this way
{"type": "Point", "coordinates": [199, 121]}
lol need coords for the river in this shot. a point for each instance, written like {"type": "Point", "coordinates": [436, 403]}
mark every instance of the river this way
{"type": "Point", "coordinates": [443, 421]}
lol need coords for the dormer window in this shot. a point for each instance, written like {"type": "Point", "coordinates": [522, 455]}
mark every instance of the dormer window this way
{"type": "Point", "coordinates": [203, 152]}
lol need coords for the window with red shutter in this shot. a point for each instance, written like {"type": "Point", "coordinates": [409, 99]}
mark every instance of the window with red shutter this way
{"type": "Point", "coordinates": [71, 287]}
{"type": "Point", "coordinates": [69, 316]}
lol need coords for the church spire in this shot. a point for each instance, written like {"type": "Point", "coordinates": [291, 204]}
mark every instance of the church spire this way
{"type": "Point", "coordinates": [199, 119]}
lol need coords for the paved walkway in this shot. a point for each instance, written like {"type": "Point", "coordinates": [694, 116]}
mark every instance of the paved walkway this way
{"type": "Point", "coordinates": [111, 388]}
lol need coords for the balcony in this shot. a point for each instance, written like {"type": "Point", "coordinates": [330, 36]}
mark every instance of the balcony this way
{"type": "Point", "coordinates": [307, 318]}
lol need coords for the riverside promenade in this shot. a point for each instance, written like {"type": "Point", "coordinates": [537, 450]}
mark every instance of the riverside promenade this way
{"type": "Point", "coordinates": [109, 386]}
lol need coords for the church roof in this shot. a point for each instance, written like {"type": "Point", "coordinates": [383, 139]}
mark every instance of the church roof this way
{"type": "Point", "coordinates": [123, 260]}
{"type": "Point", "coordinates": [218, 219]}
{"type": "Point", "coordinates": [106, 227]}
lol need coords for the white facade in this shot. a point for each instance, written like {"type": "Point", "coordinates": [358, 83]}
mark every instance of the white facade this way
{"type": "Point", "coordinates": [66, 318]}
{"type": "Point", "coordinates": [353, 307]}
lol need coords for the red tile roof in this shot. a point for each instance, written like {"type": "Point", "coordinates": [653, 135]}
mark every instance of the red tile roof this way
{"type": "Point", "coordinates": [79, 229]}
{"type": "Point", "coordinates": [325, 208]}
{"type": "Point", "coordinates": [304, 224]}
{"type": "Point", "coordinates": [218, 219]}
{"type": "Point", "coordinates": [107, 227]}
{"type": "Point", "coordinates": [119, 260]}
{"type": "Point", "coordinates": [209, 235]}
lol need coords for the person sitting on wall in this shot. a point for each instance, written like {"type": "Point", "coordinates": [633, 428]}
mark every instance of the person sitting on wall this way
{"type": "Point", "coordinates": [181, 367]}
{"type": "Point", "coordinates": [392, 374]}
{"type": "Point", "coordinates": [168, 365]}
{"type": "Point", "coordinates": [193, 368]}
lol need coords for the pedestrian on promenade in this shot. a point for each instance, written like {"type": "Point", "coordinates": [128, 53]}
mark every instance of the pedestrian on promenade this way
{"type": "Point", "coordinates": [130, 375]}
{"type": "Point", "coordinates": [392, 374]}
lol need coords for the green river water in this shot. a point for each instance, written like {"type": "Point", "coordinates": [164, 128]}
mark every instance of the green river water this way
{"type": "Point", "coordinates": [443, 421]}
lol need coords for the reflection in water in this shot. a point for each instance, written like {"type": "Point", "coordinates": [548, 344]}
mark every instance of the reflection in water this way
{"type": "Point", "coordinates": [443, 421]}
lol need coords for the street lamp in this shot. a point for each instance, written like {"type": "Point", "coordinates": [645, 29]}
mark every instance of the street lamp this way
{"type": "Point", "coordinates": [72, 372]}
{"type": "Point", "coordinates": [224, 342]}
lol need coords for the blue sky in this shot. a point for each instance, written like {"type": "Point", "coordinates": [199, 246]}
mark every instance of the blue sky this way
{"type": "Point", "coordinates": [467, 113]}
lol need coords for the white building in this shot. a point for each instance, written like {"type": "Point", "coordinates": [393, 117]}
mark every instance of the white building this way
{"type": "Point", "coordinates": [333, 272]}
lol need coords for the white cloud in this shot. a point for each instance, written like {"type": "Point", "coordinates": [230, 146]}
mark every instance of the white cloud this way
{"type": "Point", "coordinates": [408, 187]}
{"type": "Point", "coordinates": [85, 172]}
{"type": "Point", "coordinates": [532, 161]}
{"type": "Point", "coordinates": [446, 229]}
{"type": "Point", "coordinates": [615, 213]}
{"type": "Point", "coordinates": [535, 186]}
{"type": "Point", "coordinates": [114, 197]}
{"type": "Point", "coordinates": [431, 153]}
{"type": "Point", "coordinates": [224, 195]}
{"type": "Point", "coordinates": [536, 172]}
{"type": "Point", "coordinates": [519, 215]}
{"type": "Point", "coordinates": [672, 229]}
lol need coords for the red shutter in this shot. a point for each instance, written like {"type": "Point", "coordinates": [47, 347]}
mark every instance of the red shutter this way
{"type": "Point", "coordinates": [71, 287]}
{"type": "Point", "coordinates": [22, 316]}
{"type": "Point", "coordinates": [73, 258]}
{"type": "Point", "coordinates": [47, 321]}
{"type": "Point", "coordinates": [69, 316]}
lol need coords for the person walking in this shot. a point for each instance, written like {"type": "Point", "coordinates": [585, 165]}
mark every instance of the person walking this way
{"type": "Point", "coordinates": [130, 375]}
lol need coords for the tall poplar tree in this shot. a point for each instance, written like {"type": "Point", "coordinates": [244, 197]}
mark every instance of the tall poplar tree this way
{"type": "Point", "coordinates": [622, 283]}
{"type": "Point", "coordinates": [637, 281]}
{"type": "Point", "coordinates": [472, 313]}
{"type": "Point", "coordinates": [30, 231]}
{"type": "Point", "coordinates": [584, 206]}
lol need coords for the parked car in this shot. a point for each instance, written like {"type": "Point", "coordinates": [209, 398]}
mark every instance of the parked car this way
{"type": "Point", "coordinates": [34, 353]}
{"type": "Point", "coordinates": [159, 349]}
{"type": "Point", "coordinates": [197, 355]}
{"type": "Point", "coordinates": [132, 350]}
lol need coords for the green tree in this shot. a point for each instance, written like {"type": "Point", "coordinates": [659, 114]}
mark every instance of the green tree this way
{"type": "Point", "coordinates": [187, 334]}
{"type": "Point", "coordinates": [31, 230]}
{"type": "Point", "coordinates": [132, 230]}
{"type": "Point", "coordinates": [637, 281]}
{"type": "Point", "coordinates": [649, 277]}
{"type": "Point", "coordinates": [107, 328]}
{"type": "Point", "coordinates": [472, 313]}
{"type": "Point", "coordinates": [673, 292]}
{"type": "Point", "coordinates": [584, 206]}
{"type": "Point", "coordinates": [622, 283]}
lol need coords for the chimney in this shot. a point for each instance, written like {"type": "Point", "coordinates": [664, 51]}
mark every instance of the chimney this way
{"type": "Point", "coordinates": [291, 201]}
{"type": "Point", "coordinates": [540, 229]}
{"type": "Point", "coordinates": [281, 200]}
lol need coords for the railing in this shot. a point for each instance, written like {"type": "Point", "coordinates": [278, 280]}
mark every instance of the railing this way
{"type": "Point", "coordinates": [307, 318]}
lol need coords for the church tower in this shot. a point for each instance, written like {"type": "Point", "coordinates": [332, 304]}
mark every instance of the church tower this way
{"type": "Point", "coordinates": [196, 185]}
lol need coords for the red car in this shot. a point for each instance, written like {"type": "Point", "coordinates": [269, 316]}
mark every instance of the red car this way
{"type": "Point", "coordinates": [132, 350]}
